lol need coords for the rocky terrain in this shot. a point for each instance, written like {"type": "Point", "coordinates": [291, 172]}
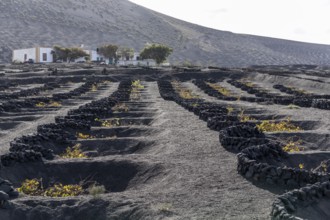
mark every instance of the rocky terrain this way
{"type": "Point", "coordinates": [74, 22]}
{"type": "Point", "coordinates": [248, 143]}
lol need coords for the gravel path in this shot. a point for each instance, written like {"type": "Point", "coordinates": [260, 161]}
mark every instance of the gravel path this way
{"type": "Point", "coordinates": [201, 180]}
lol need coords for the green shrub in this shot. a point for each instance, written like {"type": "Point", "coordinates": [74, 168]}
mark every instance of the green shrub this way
{"type": "Point", "coordinates": [95, 190]}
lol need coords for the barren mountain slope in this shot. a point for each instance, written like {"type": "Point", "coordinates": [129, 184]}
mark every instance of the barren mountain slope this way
{"type": "Point", "coordinates": [92, 23]}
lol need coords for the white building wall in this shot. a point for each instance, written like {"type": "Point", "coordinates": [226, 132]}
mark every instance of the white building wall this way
{"type": "Point", "coordinates": [148, 62]}
{"type": "Point", "coordinates": [19, 55]}
{"type": "Point", "coordinates": [94, 55]}
{"type": "Point", "coordinates": [48, 51]}
{"type": "Point", "coordinates": [98, 57]}
{"type": "Point", "coordinates": [31, 53]}
{"type": "Point", "coordinates": [136, 56]}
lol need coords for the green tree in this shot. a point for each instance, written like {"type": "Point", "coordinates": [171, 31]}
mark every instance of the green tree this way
{"type": "Point", "coordinates": [158, 52]}
{"type": "Point", "coordinates": [76, 52]}
{"type": "Point", "coordinates": [109, 51]}
{"type": "Point", "coordinates": [61, 53]}
{"type": "Point", "coordinates": [68, 54]}
{"type": "Point", "coordinates": [125, 52]}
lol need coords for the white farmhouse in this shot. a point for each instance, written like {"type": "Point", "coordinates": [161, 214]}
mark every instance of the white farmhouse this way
{"type": "Point", "coordinates": [44, 55]}
{"type": "Point", "coordinates": [36, 54]}
{"type": "Point", "coordinates": [135, 61]}
{"type": "Point", "coordinates": [96, 57]}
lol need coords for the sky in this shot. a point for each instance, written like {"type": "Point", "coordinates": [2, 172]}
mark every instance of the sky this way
{"type": "Point", "coordinates": [300, 20]}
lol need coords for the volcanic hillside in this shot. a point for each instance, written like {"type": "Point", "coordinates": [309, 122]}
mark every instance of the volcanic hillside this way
{"type": "Point", "coordinates": [74, 22]}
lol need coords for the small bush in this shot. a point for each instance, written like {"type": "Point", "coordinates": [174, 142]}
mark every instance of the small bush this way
{"type": "Point", "coordinates": [120, 107]}
{"type": "Point", "coordinates": [73, 152]}
{"type": "Point", "coordinates": [94, 88]}
{"type": "Point", "coordinates": [34, 187]}
{"type": "Point", "coordinates": [50, 104]}
{"type": "Point", "coordinates": [183, 92]}
{"type": "Point", "coordinates": [244, 118]}
{"type": "Point", "coordinates": [220, 89]}
{"type": "Point", "coordinates": [84, 136]}
{"type": "Point", "coordinates": [54, 104]}
{"type": "Point", "coordinates": [269, 126]}
{"type": "Point", "coordinates": [136, 87]}
{"type": "Point", "coordinates": [292, 106]}
{"type": "Point", "coordinates": [164, 207]}
{"type": "Point", "coordinates": [186, 94]}
{"type": "Point", "coordinates": [230, 110]}
{"type": "Point", "coordinates": [109, 123]}
{"type": "Point", "coordinates": [293, 146]}
{"type": "Point", "coordinates": [323, 167]}
{"type": "Point", "coordinates": [31, 187]}
{"type": "Point", "coordinates": [60, 190]}
{"type": "Point", "coordinates": [41, 105]}
{"type": "Point", "coordinates": [137, 84]}
{"type": "Point", "coordinates": [95, 190]}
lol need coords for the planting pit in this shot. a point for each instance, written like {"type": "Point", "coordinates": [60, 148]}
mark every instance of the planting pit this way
{"type": "Point", "coordinates": [121, 132]}
{"type": "Point", "coordinates": [265, 116]}
{"type": "Point", "coordinates": [20, 113]}
{"type": "Point", "coordinates": [38, 110]}
{"type": "Point", "coordinates": [249, 111]}
{"type": "Point", "coordinates": [85, 97]}
{"type": "Point", "coordinates": [53, 208]}
{"type": "Point", "coordinates": [309, 140]}
{"type": "Point", "coordinates": [138, 105]}
{"type": "Point", "coordinates": [19, 118]}
{"type": "Point", "coordinates": [317, 210]}
{"type": "Point", "coordinates": [8, 125]}
{"type": "Point", "coordinates": [133, 114]}
{"type": "Point", "coordinates": [303, 125]}
{"type": "Point", "coordinates": [133, 109]}
{"type": "Point", "coordinates": [94, 148]}
{"type": "Point", "coordinates": [114, 175]}
{"type": "Point", "coordinates": [116, 122]}
{"type": "Point", "coordinates": [308, 160]}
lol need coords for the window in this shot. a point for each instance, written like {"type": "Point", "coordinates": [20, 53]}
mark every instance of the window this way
{"type": "Point", "coordinates": [44, 57]}
{"type": "Point", "coordinates": [25, 57]}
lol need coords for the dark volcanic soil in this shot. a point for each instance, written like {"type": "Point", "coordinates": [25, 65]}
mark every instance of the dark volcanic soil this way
{"type": "Point", "coordinates": [161, 161]}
